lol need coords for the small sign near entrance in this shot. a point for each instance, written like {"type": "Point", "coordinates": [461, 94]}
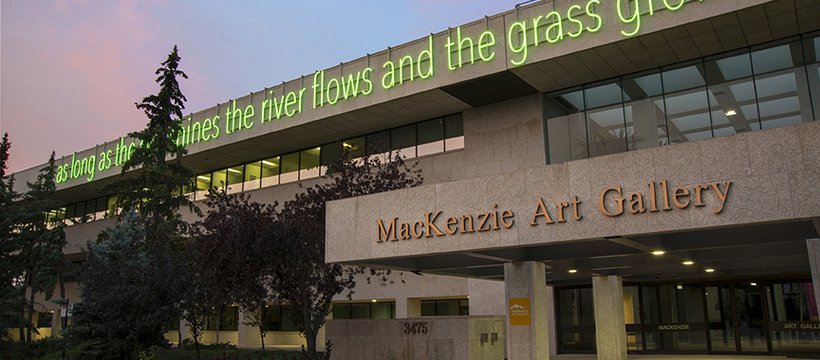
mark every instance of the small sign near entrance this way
{"type": "Point", "coordinates": [795, 326]}
{"type": "Point", "coordinates": [519, 311]}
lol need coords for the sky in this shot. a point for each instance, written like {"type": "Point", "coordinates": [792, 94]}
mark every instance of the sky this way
{"type": "Point", "coordinates": [71, 70]}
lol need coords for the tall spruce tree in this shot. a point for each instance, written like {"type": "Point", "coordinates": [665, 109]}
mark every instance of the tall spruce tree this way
{"type": "Point", "coordinates": [42, 242]}
{"type": "Point", "coordinates": [10, 267]}
{"type": "Point", "coordinates": [152, 190]}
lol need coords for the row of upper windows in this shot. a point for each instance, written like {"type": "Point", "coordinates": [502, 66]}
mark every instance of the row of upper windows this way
{"type": "Point", "coordinates": [767, 86]}
{"type": "Point", "coordinates": [414, 140]}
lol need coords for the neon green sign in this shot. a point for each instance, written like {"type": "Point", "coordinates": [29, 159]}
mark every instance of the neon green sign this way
{"type": "Point", "coordinates": [459, 49]}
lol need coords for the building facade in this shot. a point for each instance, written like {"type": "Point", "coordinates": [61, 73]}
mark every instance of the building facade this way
{"type": "Point", "coordinates": [599, 176]}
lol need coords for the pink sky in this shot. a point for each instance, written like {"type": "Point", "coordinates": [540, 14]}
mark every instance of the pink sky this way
{"type": "Point", "coordinates": [71, 71]}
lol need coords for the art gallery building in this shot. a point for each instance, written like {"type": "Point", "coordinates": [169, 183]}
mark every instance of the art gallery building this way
{"type": "Point", "coordinates": [611, 185]}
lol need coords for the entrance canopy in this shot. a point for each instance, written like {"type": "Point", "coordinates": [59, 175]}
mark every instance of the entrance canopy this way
{"type": "Point", "coordinates": [765, 251]}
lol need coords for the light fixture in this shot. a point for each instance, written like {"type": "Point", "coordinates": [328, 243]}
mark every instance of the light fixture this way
{"type": "Point", "coordinates": [679, 287]}
{"type": "Point", "coordinates": [658, 252]}
{"type": "Point", "coordinates": [730, 113]}
{"type": "Point", "coordinates": [203, 177]}
{"type": "Point", "coordinates": [346, 145]}
{"type": "Point", "coordinates": [709, 270]}
{"type": "Point", "coordinates": [753, 284]}
{"type": "Point", "coordinates": [688, 262]}
{"type": "Point", "coordinates": [234, 171]}
{"type": "Point", "coordinates": [572, 271]}
{"type": "Point", "coordinates": [374, 300]}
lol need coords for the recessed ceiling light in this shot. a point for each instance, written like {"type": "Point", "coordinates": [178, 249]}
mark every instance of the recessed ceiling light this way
{"type": "Point", "coordinates": [688, 262]}
{"type": "Point", "coordinates": [572, 271]}
{"type": "Point", "coordinates": [374, 300]}
{"type": "Point", "coordinates": [658, 252]}
{"type": "Point", "coordinates": [753, 284]}
{"type": "Point", "coordinates": [730, 113]}
{"type": "Point", "coordinates": [710, 270]}
{"type": "Point", "coordinates": [679, 287]}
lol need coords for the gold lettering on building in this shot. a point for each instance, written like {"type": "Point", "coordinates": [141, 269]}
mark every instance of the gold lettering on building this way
{"type": "Point", "coordinates": [613, 201]}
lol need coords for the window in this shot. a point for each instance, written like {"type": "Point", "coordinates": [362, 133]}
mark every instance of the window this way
{"type": "Point", "coordinates": [290, 168]}
{"type": "Point", "coordinates": [446, 307]}
{"type": "Point", "coordinates": [453, 132]}
{"type": "Point", "coordinates": [235, 178]}
{"type": "Point", "coordinates": [253, 175]}
{"type": "Point", "coordinates": [403, 139]}
{"type": "Point", "coordinates": [277, 318]}
{"type": "Point", "coordinates": [687, 104]}
{"type": "Point", "coordinates": [309, 164]}
{"type": "Point", "coordinates": [365, 310]}
{"type": "Point", "coordinates": [44, 319]}
{"type": "Point", "coordinates": [566, 126]}
{"type": "Point", "coordinates": [782, 89]}
{"type": "Point", "coordinates": [605, 119]}
{"type": "Point", "coordinates": [270, 172]}
{"type": "Point", "coordinates": [644, 111]}
{"type": "Point", "coordinates": [732, 94]}
{"type": "Point", "coordinates": [354, 148]}
{"type": "Point", "coordinates": [203, 183]}
{"type": "Point", "coordinates": [219, 179]}
{"type": "Point", "coordinates": [430, 137]}
{"type": "Point", "coordinates": [226, 320]}
{"type": "Point", "coordinates": [327, 155]}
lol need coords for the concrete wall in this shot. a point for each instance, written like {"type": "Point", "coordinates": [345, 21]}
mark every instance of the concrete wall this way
{"type": "Point", "coordinates": [773, 172]}
{"type": "Point", "coordinates": [434, 338]}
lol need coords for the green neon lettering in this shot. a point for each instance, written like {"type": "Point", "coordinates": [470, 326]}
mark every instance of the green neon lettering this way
{"type": "Point", "coordinates": [518, 28]}
{"type": "Point", "coordinates": [485, 42]}
{"type": "Point", "coordinates": [229, 124]}
{"type": "Point", "coordinates": [333, 84]}
{"type": "Point", "coordinates": [556, 28]}
{"type": "Point", "coordinates": [449, 45]}
{"type": "Point", "coordinates": [535, 24]}
{"type": "Point", "coordinates": [301, 99]}
{"type": "Point", "coordinates": [90, 167]}
{"type": "Point", "coordinates": [350, 88]}
{"type": "Point", "coordinates": [389, 74]}
{"type": "Point", "coordinates": [406, 60]}
{"type": "Point", "coordinates": [366, 77]}
{"type": "Point", "coordinates": [206, 128]}
{"type": "Point", "coordinates": [575, 21]}
{"type": "Point", "coordinates": [290, 100]}
{"type": "Point", "coordinates": [75, 166]}
{"type": "Point", "coordinates": [428, 52]}
{"type": "Point", "coordinates": [672, 7]}
{"type": "Point", "coordinates": [216, 127]}
{"type": "Point", "coordinates": [318, 88]}
{"type": "Point", "coordinates": [278, 106]}
{"type": "Point", "coordinates": [196, 132]}
{"type": "Point", "coordinates": [247, 119]}
{"type": "Point", "coordinates": [590, 10]}
{"type": "Point", "coordinates": [466, 40]}
{"type": "Point", "coordinates": [634, 19]}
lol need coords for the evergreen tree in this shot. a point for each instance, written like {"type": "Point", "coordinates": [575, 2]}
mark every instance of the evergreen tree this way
{"type": "Point", "coordinates": [151, 191]}
{"type": "Point", "coordinates": [119, 310]}
{"type": "Point", "coordinates": [10, 270]}
{"type": "Point", "coordinates": [42, 242]}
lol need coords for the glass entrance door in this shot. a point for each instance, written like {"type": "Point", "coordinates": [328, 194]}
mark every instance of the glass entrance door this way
{"type": "Point", "coordinates": [736, 319]}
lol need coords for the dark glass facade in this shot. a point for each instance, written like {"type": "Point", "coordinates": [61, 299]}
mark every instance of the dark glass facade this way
{"type": "Point", "coordinates": [736, 317]}
{"type": "Point", "coordinates": [763, 87]}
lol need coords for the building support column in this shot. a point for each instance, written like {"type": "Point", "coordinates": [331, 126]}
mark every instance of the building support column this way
{"type": "Point", "coordinates": [813, 247]}
{"type": "Point", "coordinates": [610, 329]}
{"type": "Point", "coordinates": [525, 289]}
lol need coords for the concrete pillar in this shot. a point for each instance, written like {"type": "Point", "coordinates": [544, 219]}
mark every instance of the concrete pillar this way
{"type": "Point", "coordinates": [813, 247]}
{"type": "Point", "coordinates": [526, 298]}
{"type": "Point", "coordinates": [245, 333]}
{"type": "Point", "coordinates": [610, 330]}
